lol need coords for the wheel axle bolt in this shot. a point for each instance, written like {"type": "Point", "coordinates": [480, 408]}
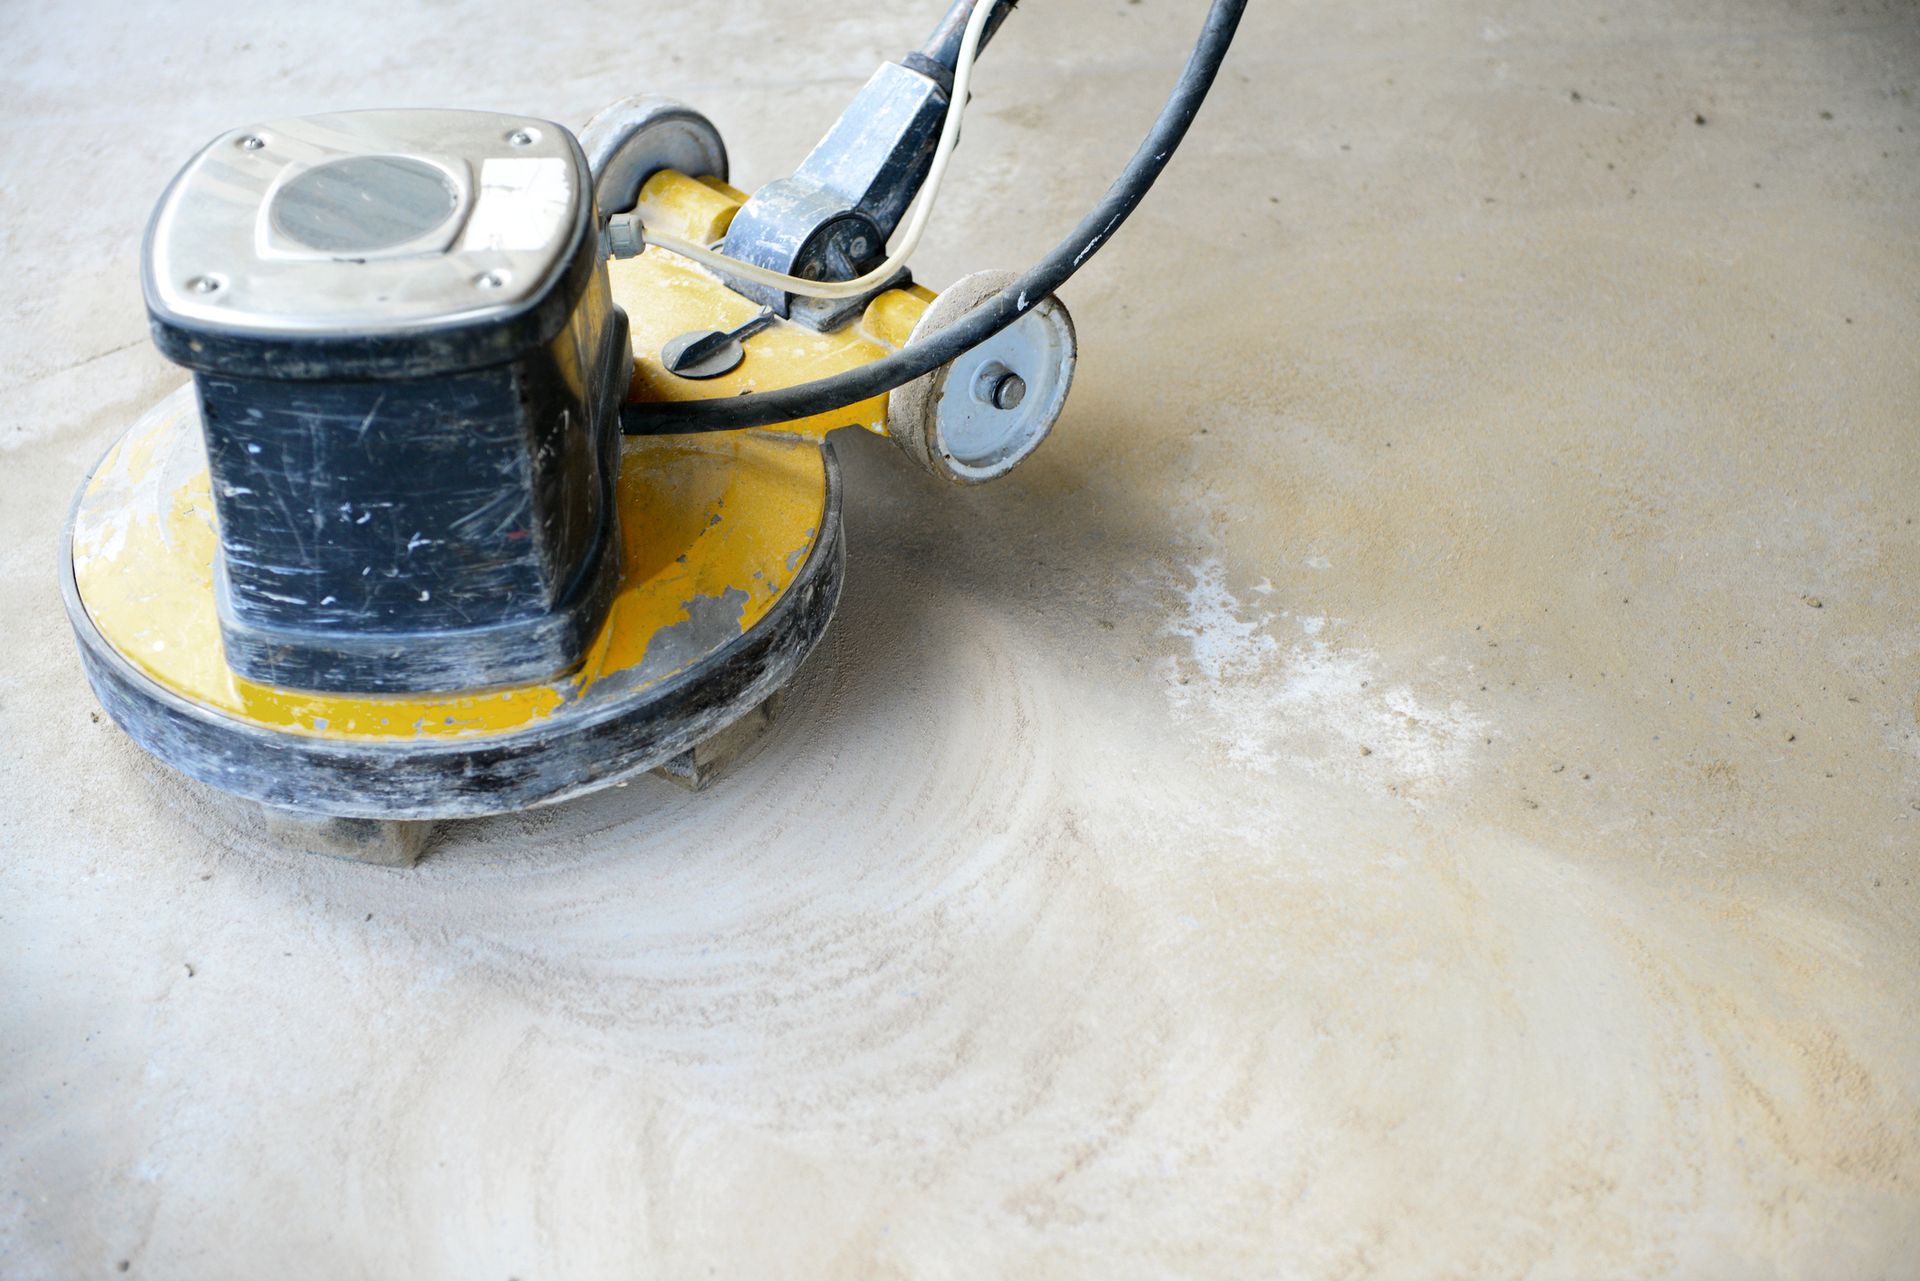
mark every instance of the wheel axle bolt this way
{"type": "Point", "coordinates": [1009, 391]}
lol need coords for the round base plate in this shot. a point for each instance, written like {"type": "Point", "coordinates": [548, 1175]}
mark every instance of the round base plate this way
{"type": "Point", "coordinates": [731, 566]}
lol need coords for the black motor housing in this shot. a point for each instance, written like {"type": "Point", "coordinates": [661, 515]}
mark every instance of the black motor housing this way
{"type": "Point", "coordinates": [409, 369]}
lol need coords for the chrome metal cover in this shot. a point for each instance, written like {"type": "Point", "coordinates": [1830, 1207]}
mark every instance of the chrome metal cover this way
{"type": "Point", "coordinates": [367, 222]}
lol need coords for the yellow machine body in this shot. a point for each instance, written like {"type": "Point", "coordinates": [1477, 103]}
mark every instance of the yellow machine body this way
{"type": "Point", "coordinates": [713, 527]}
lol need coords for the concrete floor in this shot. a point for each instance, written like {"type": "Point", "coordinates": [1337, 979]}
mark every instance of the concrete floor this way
{"type": "Point", "coordinates": [1418, 778]}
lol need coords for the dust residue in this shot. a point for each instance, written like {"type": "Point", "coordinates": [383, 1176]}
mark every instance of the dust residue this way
{"type": "Point", "coordinates": [1271, 688]}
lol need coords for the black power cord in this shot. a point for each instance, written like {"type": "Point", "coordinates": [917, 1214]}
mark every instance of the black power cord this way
{"type": "Point", "coordinates": [824, 395]}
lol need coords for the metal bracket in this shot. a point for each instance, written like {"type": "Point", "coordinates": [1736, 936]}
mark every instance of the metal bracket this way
{"type": "Point", "coordinates": [830, 220]}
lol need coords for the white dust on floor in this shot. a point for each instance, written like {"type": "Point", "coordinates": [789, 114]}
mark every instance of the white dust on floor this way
{"type": "Point", "coordinates": [1268, 687]}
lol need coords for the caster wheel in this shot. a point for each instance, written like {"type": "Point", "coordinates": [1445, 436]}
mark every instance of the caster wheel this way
{"type": "Point", "coordinates": [635, 138]}
{"type": "Point", "coordinates": [975, 419]}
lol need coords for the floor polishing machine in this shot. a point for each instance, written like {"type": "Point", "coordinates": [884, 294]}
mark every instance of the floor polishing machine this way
{"type": "Point", "coordinates": [504, 474]}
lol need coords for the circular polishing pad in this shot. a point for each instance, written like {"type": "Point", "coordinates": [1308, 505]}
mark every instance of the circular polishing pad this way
{"type": "Point", "coordinates": [731, 567]}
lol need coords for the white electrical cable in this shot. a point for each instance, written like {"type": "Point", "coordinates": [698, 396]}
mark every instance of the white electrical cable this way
{"type": "Point", "coordinates": [916, 225]}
